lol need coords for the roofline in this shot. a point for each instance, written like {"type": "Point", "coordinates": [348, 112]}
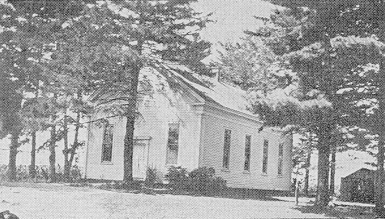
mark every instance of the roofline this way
{"type": "Point", "coordinates": [362, 168]}
{"type": "Point", "coordinates": [202, 101]}
{"type": "Point", "coordinates": [231, 111]}
{"type": "Point", "coordinates": [217, 105]}
{"type": "Point", "coordinates": [192, 92]}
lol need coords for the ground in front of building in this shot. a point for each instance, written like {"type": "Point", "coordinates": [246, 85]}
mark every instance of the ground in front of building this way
{"type": "Point", "coordinates": [36, 200]}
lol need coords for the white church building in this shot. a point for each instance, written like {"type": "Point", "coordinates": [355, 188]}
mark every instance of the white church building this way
{"type": "Point", "coordinates": [190, 124]}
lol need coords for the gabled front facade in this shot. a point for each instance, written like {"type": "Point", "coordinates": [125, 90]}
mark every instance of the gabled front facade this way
{"type": "Point", "coordinates": [193, 126]}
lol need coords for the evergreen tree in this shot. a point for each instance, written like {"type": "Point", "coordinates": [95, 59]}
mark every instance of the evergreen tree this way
{"type": "Point", "coordinates": [365, 19]}
{"type": "Point", "coordinates": [53, 87]}
{"type": "Point", "coordinates": [109, 43]}
{"type": "Point", "coordinates": [24, 44]}
{"type": "Point", "coordinates": [16, 74]}
{"type": "Point", "coordinates": [31, 124]}
{"type": "Point", "coordinates": [10, 105]}
{"type": "Point", "coordinates": [249, 64]}
{"type": "Point", "coordinates": [325, 73]}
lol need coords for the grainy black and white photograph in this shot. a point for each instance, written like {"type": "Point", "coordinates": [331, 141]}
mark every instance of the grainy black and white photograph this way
{"type": "Point", "coordinates": [176, 109]}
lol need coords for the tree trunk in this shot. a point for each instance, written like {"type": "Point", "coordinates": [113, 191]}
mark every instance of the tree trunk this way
{"type": "Point", "coordinates": [32, 166]}
{"type": "Point", "coordinates": [379, 208]}
{"type": "Point", "coordinates": [296, 191]}
{"type": "Point", "coordinates": [306, 183]}
{"type": "Point", "coordinates": [66, 172]}
{"type": "Point", "coordinates": [130, 126]}
{"type": "Point", "coordinates": [75, 145]}
{"type": "Point", "coordinates": [379, 193]}
{"type": "Point", "coordinates": [128, 149]}
{"type": "Point", "coordinates": [332, 170]}
{"type": "Point", "coordinates": [322, 198]}
{"type": "Point", "coordinates": [52, 156]}
{"type": "Point", "coordinates": [12, 156]}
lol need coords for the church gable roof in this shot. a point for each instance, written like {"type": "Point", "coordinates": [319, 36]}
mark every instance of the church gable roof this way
{"type": "Point", "coordinates": [205, 89]}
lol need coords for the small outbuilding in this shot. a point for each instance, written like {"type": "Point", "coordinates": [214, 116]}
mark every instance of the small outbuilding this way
{"type": "Point", "coordinates": [358, 186]}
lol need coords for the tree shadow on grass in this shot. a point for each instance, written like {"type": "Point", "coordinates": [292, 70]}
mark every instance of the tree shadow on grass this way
{"type": "Point", "coordinates": [231, 193]}
{"type": "Point", "coordinates": [227, 193]}
{"type": "Point", "coordinates": [249, 194]}
{"type": "Point", "coordinates": [339, 211]}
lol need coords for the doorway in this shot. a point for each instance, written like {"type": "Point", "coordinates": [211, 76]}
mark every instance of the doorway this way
{"type": "Point", "coordinates": [139, 159]}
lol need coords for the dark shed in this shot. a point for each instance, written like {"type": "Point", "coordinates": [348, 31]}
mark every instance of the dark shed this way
{"type": "Point", "coordinates": [358, 186]}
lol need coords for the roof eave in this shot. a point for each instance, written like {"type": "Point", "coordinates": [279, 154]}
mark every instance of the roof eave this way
{"type": "Point", "coordinates": [231, 111]}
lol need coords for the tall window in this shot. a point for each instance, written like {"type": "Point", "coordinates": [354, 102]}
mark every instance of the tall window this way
{"type": "Point", "coordinates": [108, 137]}
{"type": "Point", "coordinates": [265, 156]}
{"type": "Point", "coordinates": [172, 144]}
{"type": "Point", "coordinates": [280, 158]}
{"type": "Point", "coordinates": [247, 153]}
{"type": "Point", "coordinates": [226, 149]}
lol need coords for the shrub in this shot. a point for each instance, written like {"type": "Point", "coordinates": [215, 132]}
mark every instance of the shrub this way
{"type": "Point", "coordinates": [75, 174]}
{"type": "Point", "coordinates": [201, 180]}
{"type": "Point", "coordinates": [118, 185]}
{"type": "Point", "coordinates": [216, 185]}
{"type": "Point", "coordinates": [3, 172]}
{"type": "Point", "coordinates": [151, 177]}
{"type": "Point", "coordinates": [177, 178]}
{"type": "Point", "coordinates": [106, 186]}
{"type": "Point", "coordinates": [133, 185]}
{"type": "Point", "coordinates": [59, 174]}
{"type": "Point", "coordinates": [22, 173]}
{"type": "Point", "coordinates": [42, 173]}
{"type": "Point", "coordinates": [204, 181]}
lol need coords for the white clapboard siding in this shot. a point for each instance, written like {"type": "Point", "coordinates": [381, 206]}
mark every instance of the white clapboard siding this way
{"type": "Point", "coordinates": [155, 122]}
{"type": "Point", "coordinates": [203, 115]}
{"type": "Point", "coordinates": [215, 122]}
{"type": "Point", "coordinates": [201, 141]}
{"type": "Point", "coordinates": [156, 112]}
{"type": "Point", "coordinates": [94, 168]}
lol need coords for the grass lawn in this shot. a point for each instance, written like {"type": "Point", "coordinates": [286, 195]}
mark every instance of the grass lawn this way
{"type": "Point", "coordinates": [30, 200]}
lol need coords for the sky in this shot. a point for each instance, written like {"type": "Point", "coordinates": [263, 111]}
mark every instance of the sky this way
{"type": "Point", "coordinates": [231, 18]}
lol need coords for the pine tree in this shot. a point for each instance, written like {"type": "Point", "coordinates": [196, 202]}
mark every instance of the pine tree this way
{"type": "Point", "coordinates": [249, 64]}
{"type": "Point", "coordinates": [23, 49]}
{"type": "Point", "coordinates": [364, 19]}
{"type": "Point", "coordinates": [16, 74]}
{"type": "Point", "coordinates": [327, 77]}
{"type": "Point", "coordinates": [41, 23]}
{"type": "Point", "coordinates": [31, 125]}
{"type": "Point", "coordinates": [109, 43]}
{"type": "Point", "coordinates": [10, 105]}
